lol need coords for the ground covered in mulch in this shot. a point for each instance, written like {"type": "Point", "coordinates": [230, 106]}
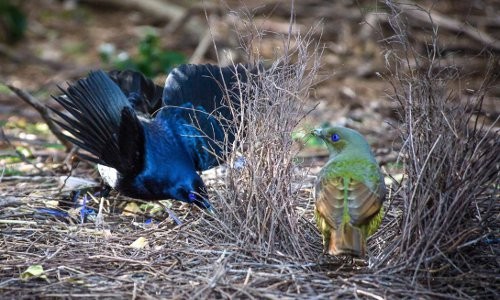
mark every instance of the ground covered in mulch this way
{"type": "Point", "coordinates": [134, 250]}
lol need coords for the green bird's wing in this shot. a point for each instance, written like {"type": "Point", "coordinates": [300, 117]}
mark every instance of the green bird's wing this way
{"type": "Point", "coordinates": [364, 206]}
{"type": "Point", "coordinates": [330, 200]}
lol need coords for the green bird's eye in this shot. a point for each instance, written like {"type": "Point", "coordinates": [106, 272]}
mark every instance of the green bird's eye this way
{"type": "Point", "coordinates": [335, 137]}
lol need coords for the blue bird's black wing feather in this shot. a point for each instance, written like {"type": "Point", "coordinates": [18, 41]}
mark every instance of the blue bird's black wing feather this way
{"type": "Point", "coordinates": [143, 94]}
{"type": "Point", "coordinates": [102, 121]}
{"type": "Point", "coordinates": [131, 142]}
{"type": "Point", "coordinates": [205, 85]}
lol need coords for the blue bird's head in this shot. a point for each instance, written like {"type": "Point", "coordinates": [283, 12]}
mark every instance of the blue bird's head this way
{"type": "Point", "coordinates": [181, 184]}
{"type": "Point", "coordinates": [192, 190]}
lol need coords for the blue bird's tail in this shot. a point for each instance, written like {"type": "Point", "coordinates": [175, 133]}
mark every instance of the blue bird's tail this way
{"type": "Point", "coordinates": [103, 122]}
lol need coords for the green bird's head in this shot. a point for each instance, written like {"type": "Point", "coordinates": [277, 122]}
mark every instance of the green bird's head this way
{"type": "Point", "coordinates": [342, 140]}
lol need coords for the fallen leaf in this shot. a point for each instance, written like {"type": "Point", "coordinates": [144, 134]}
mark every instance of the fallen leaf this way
{"type": "Point", "coordinates": [151, 208]}
{"type": "Point", "coordinates": [34, 271]}
{"type": "Point", "coordinates": [140, 243]}
{"type": "Point", "coordinates": [131, 209]}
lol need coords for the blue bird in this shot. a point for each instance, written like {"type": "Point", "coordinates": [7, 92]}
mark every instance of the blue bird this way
{"type": "Point", "coordinates": [150, 142]}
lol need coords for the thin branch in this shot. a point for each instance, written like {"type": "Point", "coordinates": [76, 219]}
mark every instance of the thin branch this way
{"type": "Point", "coordinates": [436, 19]}
{"type": "Point", "coordinates": [44, 113]}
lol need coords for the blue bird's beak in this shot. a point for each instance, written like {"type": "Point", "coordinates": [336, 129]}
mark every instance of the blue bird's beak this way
{"type": "Point", "coordinates": [203, 203]}
{"type": "Point", "coordinates": [211, 211]}
{"type": "Point", "coordinates": [206, 206]}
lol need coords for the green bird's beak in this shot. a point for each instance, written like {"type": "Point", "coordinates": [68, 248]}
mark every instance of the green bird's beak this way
{"type": "Point", "coordinates": [317, 132]}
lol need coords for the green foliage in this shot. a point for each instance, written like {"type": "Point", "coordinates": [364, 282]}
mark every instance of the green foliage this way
{"type": "Point", "coordinates": [4, 90]}
{"type": "Point", "coordinates": [75, 47]}
{"type": "Point", "coordinates": [24, 151]}
{"type": "Point", "coordinates": [9, 159]}
{"type": "Point", "coordinates": [151, 59]}
{"type": "Point", "coordinates": [11, 172]}
{"type": "Point", "coordinates": [55, 146]}
{"type": "Point", "coordinates": [40, 129]}
{"type": "Point", "coordinates": [12, 21]}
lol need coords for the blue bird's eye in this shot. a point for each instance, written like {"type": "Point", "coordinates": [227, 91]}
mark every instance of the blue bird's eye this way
{"type": "Point", "coordinates": [192, 196]}
{"type": "Point", "coordinates": [335, 137]}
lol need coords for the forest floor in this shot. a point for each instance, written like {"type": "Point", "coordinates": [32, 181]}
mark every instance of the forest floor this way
{"type": "Point", "coordinates": [122, 255]}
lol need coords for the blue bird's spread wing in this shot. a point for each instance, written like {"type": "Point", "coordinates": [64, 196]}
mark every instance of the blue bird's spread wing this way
{"type": "Point", "coordinates": [102, 121]}
{"type": "Point", "coordinates": [143, 94]}
{"type": "Point", "coordinates": [207, 86]}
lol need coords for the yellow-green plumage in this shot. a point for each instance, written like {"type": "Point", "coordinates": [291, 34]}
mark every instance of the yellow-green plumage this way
{"type": "Point", "coordinates": [349, 193]}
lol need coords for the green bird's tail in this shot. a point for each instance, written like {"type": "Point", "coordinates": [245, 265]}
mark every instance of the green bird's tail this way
{"type": "Point", "coordinates": [347, 240]}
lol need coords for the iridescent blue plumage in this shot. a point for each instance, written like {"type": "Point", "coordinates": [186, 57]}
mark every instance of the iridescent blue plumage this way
{"type": "Point", "coordinates": [200, 133]}
{"type": "Point", "coordinates": [151, 147]}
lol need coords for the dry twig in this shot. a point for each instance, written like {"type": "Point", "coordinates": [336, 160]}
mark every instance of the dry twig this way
{"type": "Point", "coordinates": [44, 113]}
{"type": "Point", "coordinates": [452, 164]}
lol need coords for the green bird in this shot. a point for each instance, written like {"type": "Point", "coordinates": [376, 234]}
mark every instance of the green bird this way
{"type": "Point", "coordinates": [349, 192]}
